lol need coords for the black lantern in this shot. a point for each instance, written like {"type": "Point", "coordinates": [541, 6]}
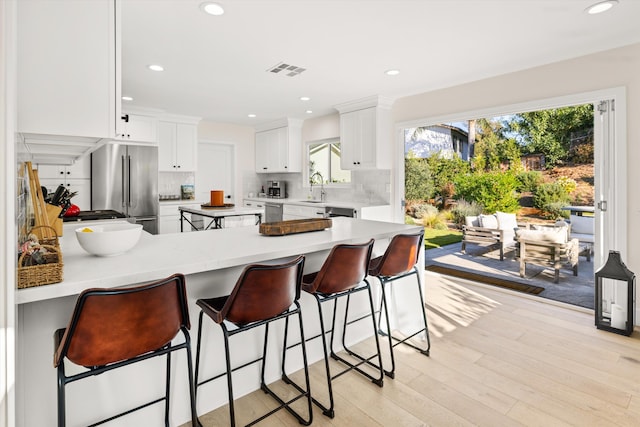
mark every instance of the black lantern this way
{"type": "Point", "coordinates": [615, 296]}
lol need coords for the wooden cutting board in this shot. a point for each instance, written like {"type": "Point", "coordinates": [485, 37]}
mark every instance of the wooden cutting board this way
{"type": "Point", "coordinates": [294, 226]}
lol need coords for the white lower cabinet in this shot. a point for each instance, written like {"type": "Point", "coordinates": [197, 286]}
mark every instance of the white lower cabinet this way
{"type": "Point", "coordinates": [251, 219]}
{"type": "Point", "coordinates": [169, 218]}
{"type": "Point", "coordinates": [300, 212]}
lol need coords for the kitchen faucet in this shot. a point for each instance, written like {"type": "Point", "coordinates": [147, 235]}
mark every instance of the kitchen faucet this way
{"type": "Point", "coordinates": [323, 194]}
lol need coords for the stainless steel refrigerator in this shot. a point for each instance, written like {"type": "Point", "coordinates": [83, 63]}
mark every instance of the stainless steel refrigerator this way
{"type": "Point", "coordinates": [125, 178]}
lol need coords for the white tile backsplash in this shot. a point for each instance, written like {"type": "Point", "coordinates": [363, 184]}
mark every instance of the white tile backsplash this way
{"type": "Point", "coordinates": [169, 182]}
{"type": "Point", "coordinates": [371, 186]}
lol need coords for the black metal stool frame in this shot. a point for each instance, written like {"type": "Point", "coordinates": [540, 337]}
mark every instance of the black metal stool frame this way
{"type": "Point", "coordinates": [292, 309]}
{"type": "Point", "coordinates": [321, 298]}
{"type": "Point", "coordinates": [383, 305]}
{"type": "Point", "coordinates": [63, 380]}
{"type": "Point", "coordinates": [263, 386]}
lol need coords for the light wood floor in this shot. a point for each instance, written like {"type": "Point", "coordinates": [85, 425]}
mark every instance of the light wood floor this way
{"type": "Point", "coordinates": [497, 359]}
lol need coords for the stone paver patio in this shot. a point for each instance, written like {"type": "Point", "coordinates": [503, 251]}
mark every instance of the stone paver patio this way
{"type": "Point", "coordinates": [576, 290]}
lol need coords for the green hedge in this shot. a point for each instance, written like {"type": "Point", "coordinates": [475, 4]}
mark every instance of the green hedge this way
{"type": "Point", "coordinates": [495, 191]}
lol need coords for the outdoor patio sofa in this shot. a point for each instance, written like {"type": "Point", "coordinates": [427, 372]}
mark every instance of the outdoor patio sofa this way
{"type": "Point", "coordinates": [547, 246]}
{"type": "Point", "coordinates": [583, 229]}
{"type": "Point", "coordinates": [498, 228]}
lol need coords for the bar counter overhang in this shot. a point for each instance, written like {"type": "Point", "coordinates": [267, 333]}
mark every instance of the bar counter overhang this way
{"type": "Point", "coordinates": [212, 261]}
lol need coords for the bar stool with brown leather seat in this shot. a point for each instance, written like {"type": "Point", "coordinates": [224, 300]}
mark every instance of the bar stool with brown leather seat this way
{"type": "Point", "coordinates": [400, 260]}
{"type": "Point", "coordinates": [343, 273]}
{"type": "Point", "coordinates": [261, 295]}
{"type": "Point", "coordinates": [112, 328]}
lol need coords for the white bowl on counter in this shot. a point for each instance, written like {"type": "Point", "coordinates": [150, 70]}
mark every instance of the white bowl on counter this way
{"type": "Point", "coordinates": [109, 239]}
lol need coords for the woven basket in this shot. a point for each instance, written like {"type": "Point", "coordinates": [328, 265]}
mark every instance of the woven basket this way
{"type": "Point", "coordinates": [41, 274]}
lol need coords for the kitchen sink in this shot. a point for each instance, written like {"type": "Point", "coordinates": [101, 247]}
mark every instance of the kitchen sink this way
{"type": "Point", "coordinates": [314, 201]}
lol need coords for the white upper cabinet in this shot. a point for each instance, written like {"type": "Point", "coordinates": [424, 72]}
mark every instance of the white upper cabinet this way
{"type": "Point", "coordinates": [138, 128]}
{"type": "Point", "coordinates": [365, 134]}
{"type": "Point", "coordinates": [76, 178]}
{"type": "Point", "coordinates": [177, 145]}
{"type": "Point", "coordinates": [81, 169]}
{"type": "Point", "coordinates": [278, 147]}
{"type": "Point", "coordinates": [68, 68]}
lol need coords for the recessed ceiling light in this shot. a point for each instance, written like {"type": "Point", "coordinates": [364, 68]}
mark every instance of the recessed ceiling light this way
{"type": "Point", "coordinates": [600, 7]}
{"type": "Point", "coordinates": [155, 67]}
{"type": "Point", "coordinates": [305, 98]}
{"type": "Point", "coordinates": [212, 8]}
{"type": "Point", "coordinates": [127, 98]}
{"type": "Point", "coordinates": [309, 112]}
{"type": "Point", "coordinates": [392, 72]}
{"type": "Point", "coordinates": [251, 115]}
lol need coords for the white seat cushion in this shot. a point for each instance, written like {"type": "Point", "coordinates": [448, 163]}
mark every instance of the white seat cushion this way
{"type": "Point", "coordinates": [544, 234]}
{"type": "Point", "coordinates": [586, 238]}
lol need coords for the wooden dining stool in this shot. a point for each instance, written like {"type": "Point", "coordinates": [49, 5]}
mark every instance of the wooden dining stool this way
{"type": "Point", "coordinates": [343, 274]}
{"type": "Point", "coordinates": [113, 328]}
{"type": "Point", "coordinates": [398, 261]}
{"type": "Point", "coordinates": [263, 294]}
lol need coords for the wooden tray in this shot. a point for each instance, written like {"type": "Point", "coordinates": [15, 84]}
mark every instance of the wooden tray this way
{"type": "Point", "coordinates": [294, 226]}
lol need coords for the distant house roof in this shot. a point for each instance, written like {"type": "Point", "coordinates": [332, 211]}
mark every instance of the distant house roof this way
{"type": "Point", "coordinates": [444, 139]}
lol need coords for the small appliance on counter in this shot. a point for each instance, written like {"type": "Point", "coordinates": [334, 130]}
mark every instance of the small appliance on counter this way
{"type": "Point", "coordinates": [187, 192]}
{"type": "Point", "coordinates": [277, 189]}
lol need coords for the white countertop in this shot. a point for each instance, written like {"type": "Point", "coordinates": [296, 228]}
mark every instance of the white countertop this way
{"type": "Point", "coordinates": [181, 202]}
{"type": "Point", "coordinates": [158, 256]}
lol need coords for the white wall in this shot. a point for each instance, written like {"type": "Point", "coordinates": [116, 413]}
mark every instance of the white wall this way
{"type": "Point", "coordinates": [605, 70]}
{"type": "Point", "coordinates": [321, 128]}
{"type": "Point", "coordinates": [242, 137]}
{"type": "Point", "coordinates": [7, 213]}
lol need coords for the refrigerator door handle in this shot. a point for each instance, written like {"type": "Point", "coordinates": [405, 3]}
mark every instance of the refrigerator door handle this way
{"type": "Point", "coordinates": [122, 181]}
{"type": "Point", "coordinates": [129, 182]}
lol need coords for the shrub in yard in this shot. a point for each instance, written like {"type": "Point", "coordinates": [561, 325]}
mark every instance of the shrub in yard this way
{"type": "Point", "coordinates": [464, 209]}
{"type": "Point", "coordinates": [418, 182]}
{"type": "Point", "coordinates": [409, 220]}
{"type": "Point", "coordinates": [447, 215]}
{"type": "Point", "coordinates": [434, 220]}
{"type": "Point", "coordinates": [568, 184]}
{"type": "Point", "coordinates": [529, 180]}
{"type": "Point", "coordinates": [443, 171]}
{"type": "Point", "coordinates": [496, 191]}
{"type": "Point", "coordinates": [420, 210]}
{"type": "Point", "coordinates": [550, 197]}
{"type": "Point", "coordinates": [554, 211]}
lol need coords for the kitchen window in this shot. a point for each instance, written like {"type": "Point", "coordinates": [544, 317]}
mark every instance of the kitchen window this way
{"type": "Point", "coordinates": [323, 158]}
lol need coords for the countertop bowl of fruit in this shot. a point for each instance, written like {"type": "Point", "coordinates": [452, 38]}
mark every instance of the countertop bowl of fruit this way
{"type": "Point", "coordinates": [109, 239]}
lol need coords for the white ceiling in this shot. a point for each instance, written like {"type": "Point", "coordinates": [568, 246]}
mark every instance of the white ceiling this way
{"type": "Point", "coordinates": [216, 67]}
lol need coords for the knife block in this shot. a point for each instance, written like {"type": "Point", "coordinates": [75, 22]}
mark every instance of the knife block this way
{"type": "Point", "coordinates": [52, 215]}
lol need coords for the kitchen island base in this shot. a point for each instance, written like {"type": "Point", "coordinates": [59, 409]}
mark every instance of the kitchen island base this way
{"type": "Point", "coordinates": [209, 273]}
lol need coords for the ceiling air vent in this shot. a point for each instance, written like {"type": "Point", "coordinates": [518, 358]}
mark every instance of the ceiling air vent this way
{"type": "Point", "coordinates": [286, 69]}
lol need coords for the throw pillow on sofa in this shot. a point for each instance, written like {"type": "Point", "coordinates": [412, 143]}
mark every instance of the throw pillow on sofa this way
{"type": "Point", "coordinates": [506, 221]}
{"type": "Point", "coordinates": [471, 221]}
{"type": "Point", "coordinates": [488, 221]}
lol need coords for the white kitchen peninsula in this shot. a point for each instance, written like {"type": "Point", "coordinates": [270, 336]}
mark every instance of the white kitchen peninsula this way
{"type": "Point", "coordinates": [212, 261]}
